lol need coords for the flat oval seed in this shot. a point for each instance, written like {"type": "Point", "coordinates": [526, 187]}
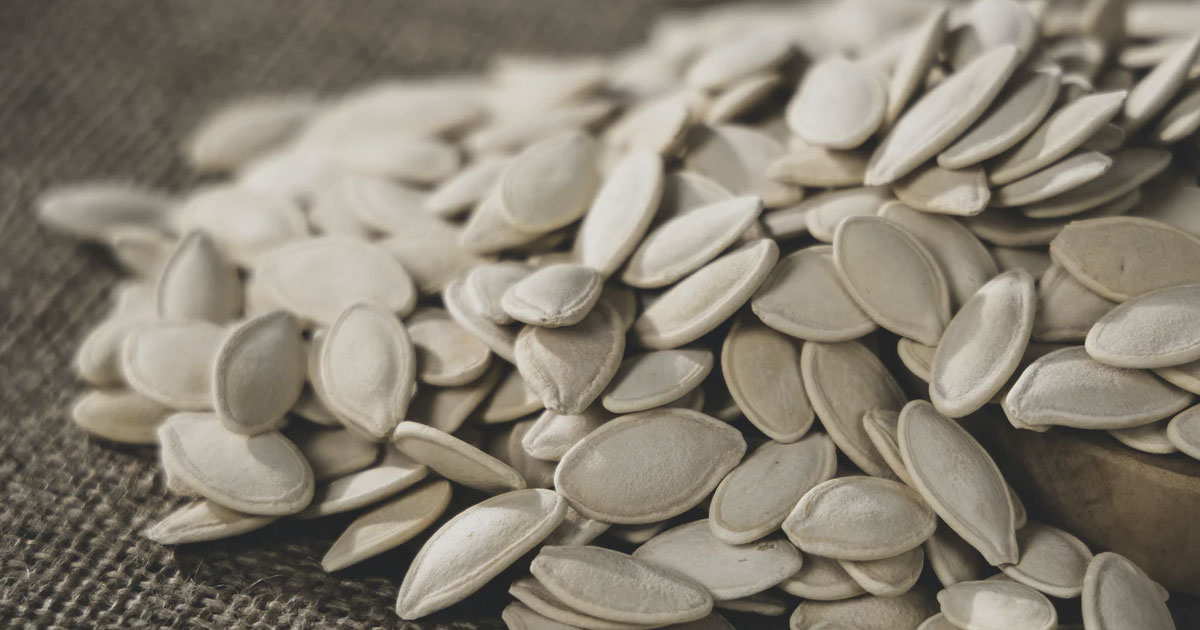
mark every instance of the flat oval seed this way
{"type": "Point", "coordinates": [1066, 310]}
{"type": "Point", "coordinates": [865, 613]}
{"type": "Point", "coordinates": [991, 23]}
{"type": "Point", "coordinates": [762, 371]}
{"type": "Point", "coordinates": [826, 211]}
{"type": "Point", "coordinates": [782, 304]}
{"type": "Point", "coordinates": [722, 65]}
{"type": "Point", "coordinates": [98, 358]}
{"type": "Point", "coordinates": [141, 251]}
{"type": "Point", "coordinates": [964, 261]}
{"type": "Point", "coordinates": [90, 211]}
{"type": "Point", "coordinates": [702, 301]}
{"type": "Point", "coordinates": [119, 415]}
{"type": "Point", "coordinates": [1186, 377]}
{"type": "Point", "coordinates": [518, 616]}
{"type": "Point", "coordinates": [388, 526]}
{"type": "Point", "coordinates": [258, 373]}
{"type": "Point", "coordinates": [838, 105]}
{"type": "Point", "coordinates": [880, 426]}
{"type": "Point", "coordinates": [754, 498]}
{"type": "Point", "coordinates": [603, 475]}
{"type": "Point", "coordinates": [497, 337]}
{"type": "Point", "coordinates": [549, 184]}
{"type": "Point", "coordinates": [199, 283]}
{"type": "Point", "coordinates": [1121, 257]}
{"type": "Point", "coordinates": [552, 435]}
{"type": "Point", "coordinates": [318, 279]}
{"type": "Point", "coordinates": [447, 408]}
{"type": "Point", "coordinates": [534, 594]}
{"type": "Point", "coordinates": [1069, 388]}
{"type": "Point", "coordinates": [1062, 132]}
{"type": "Point", "coordinates": [244, 223]}
{"type": "Point", "coordinates": [727, 571]}
{"type": "Point", "coordinates": [1153, 330]}
{"type": "Point", "coordinates": [488, 231]}
{"type": "Point", "coordinates": [172, 362]}
{"type": "Point", "coordinates": [737, 158]}
{"type": "Point", "coordinates": [740, 98]}
{"type": "Point", "coordinates": [511, 399]}
{"type": "Point", "coordinates": [485, 285]}
{"type": "Point", "coordinates": [476, 546]}
{"type": "Point", "coordinates": [1181, 120]}
{"type": "Point", "coordinates": [263, 474]}
{"type": "Point", "coordinates": [959, 479]}
{"type": "Point", "coordinates": [685, 243]}
{"type": "Point", "coordinates": [569, 367]}
{"type": "Point", "coordinates": [888, 577]}
{"type": "Point", "coordinates": [1118, 594]}
{"type": "Point", "coordinates": [1052, 561]}
{"type": "Point", "coordinates": [447, 355]}
{"type": "Point", "coordinates": [953, 559]}
{"type": "Point", "coordinates": [859, 518]}
{"type": "Point", "coordinates": [334, 453]}
{"type": "Point", "coordinates": [1034, 261]}
{"type": "Point", "coordinates": [454, 459]}
{"type": "Point", "coordinates": [917, 357]}
{"type": "Point", "coordinates": [937, 622]}
{"type": "Point", "coordinates": [611, 585]}
{"type": "Point", "coordinates": [821, 579]}
{"type": "Point", "coordinates": [656, 125]}
{"type": "Point", "coordinates": [368, 369]}
{"type": "Point", "coordinates": [1060, 177]}
{"type": "Point", "coordinates": [844, 381]}
{"type": "Point", "coordinates": [1150, 438]}
{"type": "Point", "coordinates": [983, 344]}
{"type": "Point", "coordinates": [912, 66]}
{"type": "Point", "coordinates": [997, 605]}
{"type": "Point", "coordinates": [558, 295]}
{"type": "Point", "coordinates": [1184, 432]}
{"type": "Point", "coordinates": [1131, 168]}
{"type": "Point", "coordinates": [934, 189]}
{"type": "Point", "coordinates": [201, 521]}
{"type": "Point", "coordinates": [621, 213]}
{"type": "Point", "coordinates": [685, 191]}
{"type": "Point", "coordinates": [656, 378]}
{"type": "Point", "coordinates": [899, 300]}
{"type": "Point", "coordinates": [462, 191]}
{"type": "Point", "coordinates": [394, 473]}
{"type": "Point", "coordinates": [941, 115]}
{"type": "Point", "coordinates": [1157, 88]}
{"type": "Point", "coordinates": [1016, 112]}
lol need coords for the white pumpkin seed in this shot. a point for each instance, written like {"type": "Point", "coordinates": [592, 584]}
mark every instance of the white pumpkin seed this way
{"type": "Point", "coordinates": [917, 357]}
{"type": "Point", "coordinates": [98, 358]}
{"type": "Point", "coordinates": [737, 158]}
{"type": "Point", "coordinates": [1121, 257]}
{"type": "Point", "coordinates": [1016, 112]}
{"type": "Point", "coordinates": [89, 211]}
{"type": "Point", "coordinates": [1153, 330]}
{"type": "Point", "coordinates": [1131, 168]}
{"type": "Point", "coordinates": [685, 243]}
{"type": "Point", "coordinates": [1180, 120]}
{"type": "Point", "coordinates": [865, 613]}
{"type": "Point", "coordinates": [1117, 594]}
{"type": "Point", "coordinates": [488, 231]}
{"type": "Point", "coordinates": [534, 594]}
{"type": "Point", "coordinates": [702, 301]}
{"type": "Point", "coordinates": [1060, 177]}
{"type": "Point", "coordinates": [1184, 432]}
{"type": "Point", "coordinates": [474, 547]}
{"type": "Point", "coordinates": [454, 459]}
{"type": "Point", "coordinates": [558, 295]}
{"type": "Point", "coordinates": [881, 428]}
{"type": "Point", "coordinates": [368, 369]}
{"type": "Point", "coordinates": [740, 98]}
{"type": "Point", "coordinates": [762, 371]}
{"type": "Point", "coordinates": [963, 192]}
{"type": "Point", "coordinates": [388, 526]}
{"type": "Point", "coordinates": [859, 518]}
{"type": "Point", "coordinates": [333, 453]}
{"type": "Point", "coordinates": [1157, 88]}
{"type": "Point", "coordinates": [172, 362]}
{"type": "Point", "coordinates": [1066, 309]}
{"type": "Point", "coordinates": [201, 521]}
{"type": "Point", "coordinates": [821, 579]}
{"type": "Point", "coordinates": [603, 474]}
{"type": "Point", "coordinates": [611, 585]}
{"type": "Point", "coordinates": [119, 415]}
{"type": "Point", "coordinates": [394, 473]}
{"type": "Point", "coordinates": [941, 115]}
{"type": "Point", "coordinates": [497, 337]}
{"type": "Point", "coordinates": [318, 279]}
{"type": "Point", "coordinates": [727, 571]}
{"type": "Point", "coordinates": [264, 474]}
{"type": "Point", "coordinates": [765, 604]}
{"type": "Point", "coordinates": [458, 194]}
{"type": "Point", "coordinates": [724, 64]}
{"type": "Point", "coordinates": [1149, 438]}
{"type": "Point", "coordinates": [952, 472]}
{"type": "Point", "coordinates": [780, 302]}
{"type": "Point", "coordinates": [1186, 377]}
{"type": "Point", "coordinates": [198, 283]}
{"type": "Point", "coordinates": [431, 255]}
{"type": "Point", "coordinates": [825, 212]}
{"type": "Point", "coordinates": [549, 184]}
{"type": "Point", "coordinates": [997, 605]}
{"type": "Point", "coordinates": [243, 223]}
{"type": "Point", "coordinates": [987, 24]}
{"type": "Point", "coordinates": [621, 213]}
{"type": "Point", "coordinates": [1069, 388]}
{"type": "Point", "coordinates": [258, 373]}
{"type": "Point", "coordinates": [569, 367]}
{"type": "Point", "coordinates": [447, 355]}
{"type": "Point", "coordinates": [511, 399]}
{"type": "Point", "coordinates": [900, 299]}
{"type": "Point", "coordinates": [656, 125]}
{"type": "Point", "coordinates": [838, 105]}
{"type": "Point", "coordinates": [844, 381]}
{"type": "Point", "coordinates": [809, 165]}
{"type": "Point", "coordinates": [974, 361]}
{"type": "Point", "coordinates": [953, 559]}
{"type": "Point", "coordinates": [1062, 132]}
{"type": "Point", "coordinates": [963, 260]}
{"type": "Point", "coordinates": [447, 408]}
{"type": "Point", "coordinates": [653, 379]}
{"type": "Point", "coordinates": [920, 49]}
{"type": "Point", "coordinates": [1052, 561]}
{"type": "Point", "coordinates": [140, 250]}
{"type": "Point", "coordinates": [888, 577]}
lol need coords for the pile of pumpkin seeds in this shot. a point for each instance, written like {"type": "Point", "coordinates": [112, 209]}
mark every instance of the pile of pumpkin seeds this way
{"type": "Point", "coordinates": [653, 302]}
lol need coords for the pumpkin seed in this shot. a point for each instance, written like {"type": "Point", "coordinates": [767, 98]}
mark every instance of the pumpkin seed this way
{"type": "Point", "coordinates": [1016, 112]}
{"type": "Point", "coordinates": [1052, 561]}
{"type": "Point", "coordinates": [569, 367]}
{"type": "Point", "coordinates": [394, 473]}
{"type": "Point", "coordinates": [962, 192]}
{"type": "Point", "coordinates": [997, 605]}
{"type": "Point", "coordinates": [1184, 432]}
{"type": "Point", "coordinates": [388, 526]}
{"type": "Point", "coordinates": [621, 213]}
{"type": "Point", "coordinates": [1157, 88]}
{"type": "Point", "coordinates": [455, 460]}
{"type": "Point", "coordinates": [474, 547]}
{"type": "Point", "coordinates": [198, 283]}
{"type": "Point", "coordinates": [687, 242]}
{"type": "Point", "coordinates": [865, 613]}
{"type": "Point", "coordinates": [740, 97]}
{"type": "Point", "coordinates": [888, 577]}
{"type": "Point", "coordinates": [825, 212]}
{"type": "Point", "coordinates": [553, 296]}
{"type": "Point", "coordinates": [534, 594]}
{"type": "Point", "coordinates": [1131, 168]}
{"type": "Point", "coordinates": [258, 373]}
{"type": "Point", "coordinates": [447, 408]}
{"type": "Point", "coordinates": [1117, 594]}
{"type": "Point", "coordinates": [459, 193]}
{"type": "Point", "coordinates": [201, 521]}
{"type": "Point", "coordinates": [963, 260]}
{"type": "Point", "coordinates": [119, 415]}
{"type": "Point", "coordinates": [737, 158]}
{"type": "Point", "coordinates": [762, 371]}
{"type": "Point", "coordinates": [838, 105]}
{"type": "Point", "coordinates": [881, 427]}
{"type": "Point", "coordinates": [1060, 177]}
{"type": "Point", "coordinates": [723, 65]}
{"type": "Point", "coordinates": [1150, 438]}
{"type": "Point", "coordinates": [1155, 329]}
{"type": "Point", "coordinates": [89, 211]}
{"type": "Point", "coordinates": [511, 399]}
{"type": "Point", "coordinates": [447, 355]}
{"type": "Point", "coordinates": [911, 68]}
{"type": "Point", "coordinates": [780, 301]}
{"type": "Point", "coordinates": [953, 559]}
{"type": "Point", "coordinates": [172, 362]}
{"type": "Point", "coordinates": [859, 518]}
{"type": "Point", "coordinates": [809, 165]}
{"type": "Point", "coordinates": [333, 453]}
{"type": "Point", "coordinates": [1121, 257]}
{"type": "Point", "coordinates": [657, 378]}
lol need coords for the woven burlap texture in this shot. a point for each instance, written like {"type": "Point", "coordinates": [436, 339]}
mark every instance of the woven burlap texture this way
{"type": "Point", "coordinates": [98, 89]}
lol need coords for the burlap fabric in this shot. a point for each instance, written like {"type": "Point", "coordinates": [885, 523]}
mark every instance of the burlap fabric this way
{"type": "Point", "coordinates": [107, 88]}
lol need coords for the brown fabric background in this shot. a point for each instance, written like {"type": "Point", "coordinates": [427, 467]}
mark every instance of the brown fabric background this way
{"type": "Point", "coordinates": [107, 88]}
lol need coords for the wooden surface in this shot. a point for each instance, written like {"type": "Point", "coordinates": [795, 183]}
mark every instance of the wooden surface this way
{"type": "Point", "coordinates": [1146, 507]}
